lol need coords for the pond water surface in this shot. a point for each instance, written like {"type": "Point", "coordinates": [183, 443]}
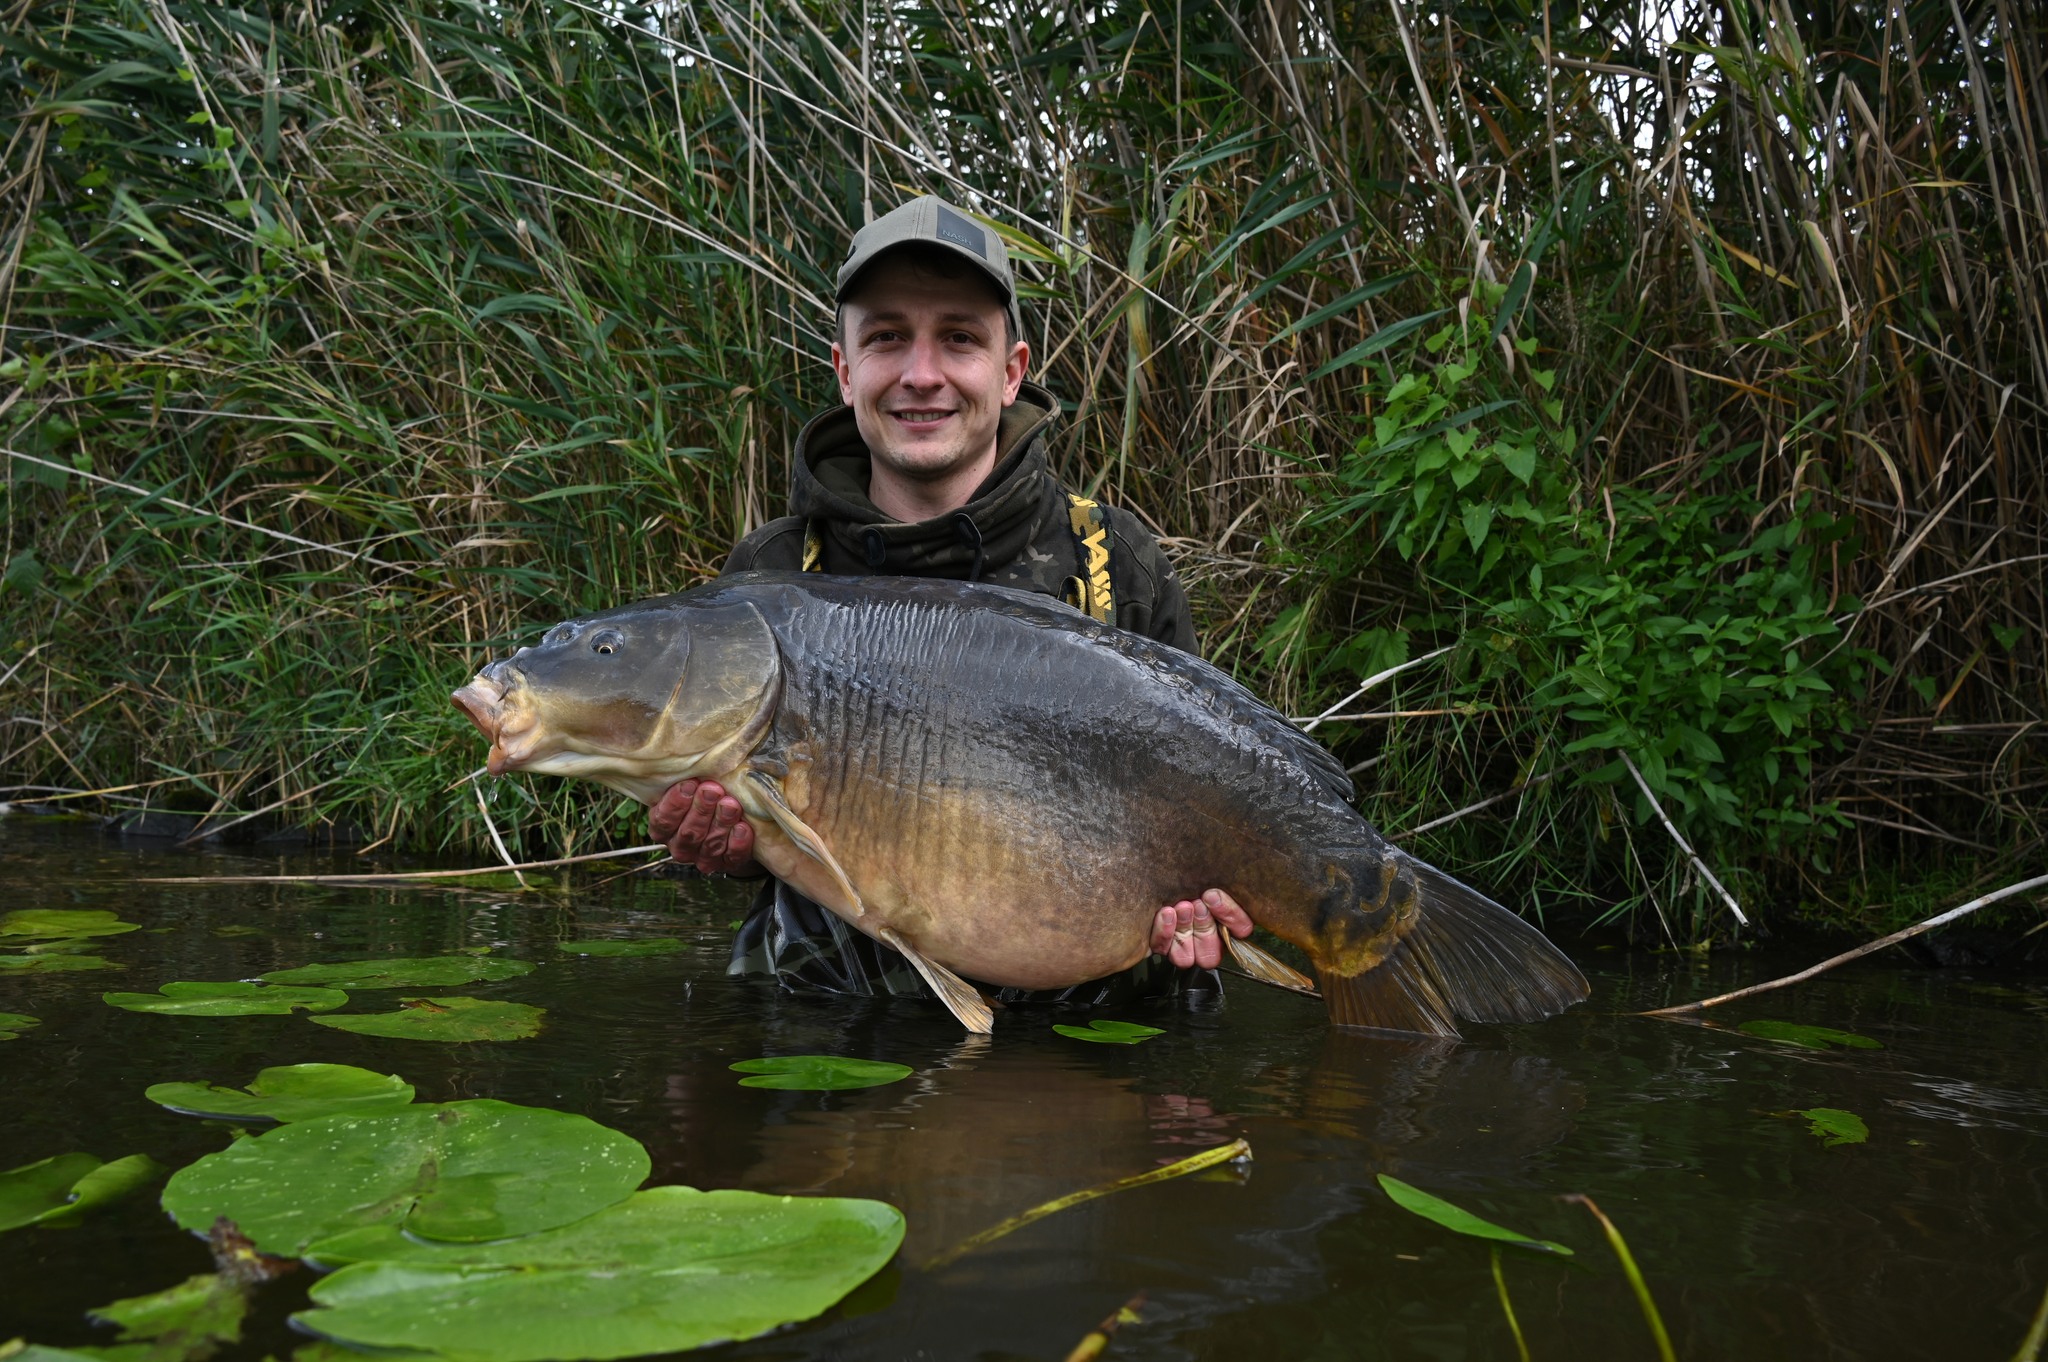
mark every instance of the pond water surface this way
{"type": "Point", "coordinates": [1930, 1240]}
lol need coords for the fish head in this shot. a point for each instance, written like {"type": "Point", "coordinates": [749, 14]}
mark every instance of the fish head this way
{"type": "Point", "coordinates": [636, 698]}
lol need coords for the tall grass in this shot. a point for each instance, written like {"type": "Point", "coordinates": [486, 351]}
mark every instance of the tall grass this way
{"type": "Point", "coordinates": [346, 344]}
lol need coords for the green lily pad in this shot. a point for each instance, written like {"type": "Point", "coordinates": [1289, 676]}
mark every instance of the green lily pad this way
{"type": "Point", "coordinates": [228, 1000]}
{"type": "Point", "coordinates": [434, 971]}
{"type": "Point", "coordinates": [1461, 1221]}
{"type": "Point", "coordinates": [1812, 1037]}
{"type": "Point", "coordinates": [670, 1268]}
{"type": "Point", "coordinates": [818, 1073]}
{"type": "Point", "coordinates": [455, 1170]}
{"type": "Point", "coordinates": [191, 1319]}
{"type": "Point", "coordinates": [646, 945]}
{"type": "Point", "coordinates": [53, 964]}
{"type": "Point", "coordinates": [12, 1024]}
{"type": "Point", "coordinates": [452, 1019]}
{"type": "Point", "coordinates": [52, 924]}
{"type": "Point", "coordinates": [58, 1190]}
{"type": "Point", "coordinates": [1836, 1126]}
{"type": "Point", "coordinates": [293, 1092]}
{"type": "Point", "coordinates": [1110, 1032]}
{"type": "Point", "coordinates": [36, 1352]}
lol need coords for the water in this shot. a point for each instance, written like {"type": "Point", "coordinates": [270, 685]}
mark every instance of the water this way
{"type": "Point", "coordinates": [1930, 1240]}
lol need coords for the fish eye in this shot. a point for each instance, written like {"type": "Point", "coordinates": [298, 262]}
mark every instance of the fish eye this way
{"type": "Point", "coordinates": [607, 641]}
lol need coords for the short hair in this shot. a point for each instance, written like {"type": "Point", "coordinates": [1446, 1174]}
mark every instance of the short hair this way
{"type": "Point", "coordinates": [932, 260]}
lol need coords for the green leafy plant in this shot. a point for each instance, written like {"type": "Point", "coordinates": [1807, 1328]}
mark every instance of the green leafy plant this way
{"type": "Point", "coordinates": [444, 1019]}
{"type": "Point", "coordinates": [1812, 1037]}
{"type": "Point", "coordinates": [1835, 1126]}
{"type": "Point", "coordinates": [59, 1189]}
{"type": "Point", "coordinates": [1105, 1032]}
{"type": "Point", "coordinates": [292, 1092]}
{"type": "Point", "coordinates": [441, 971]}
{"type": "Point", "coordinates": [232, 999]}
{"type": "Point", "coordinates": [818, 1073]}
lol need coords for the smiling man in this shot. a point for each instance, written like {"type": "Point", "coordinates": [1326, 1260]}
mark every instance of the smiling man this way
{"type": "Point", "coordinates": [935, 466]}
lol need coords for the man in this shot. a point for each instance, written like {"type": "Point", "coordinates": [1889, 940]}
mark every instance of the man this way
{"type": "Point", "coordinates": [935, 466]}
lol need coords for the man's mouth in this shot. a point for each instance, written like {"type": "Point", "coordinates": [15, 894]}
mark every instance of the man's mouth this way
{"type": "Point", "coordinates": [920, 417]}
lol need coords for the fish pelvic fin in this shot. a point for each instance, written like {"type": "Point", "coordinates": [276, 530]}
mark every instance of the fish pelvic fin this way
{"type": "Point", "coordinates": [1460, 956]}
{"type": "Point", "coordinates": [1259, 965]}
{"type": "Point", "coordinates": [956, 993]}
{"type": "Point", "coordinates": [806, 840]}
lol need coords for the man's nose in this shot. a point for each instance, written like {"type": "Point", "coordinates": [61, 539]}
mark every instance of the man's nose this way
{"type": "Point", "coordinates": [921, 366]}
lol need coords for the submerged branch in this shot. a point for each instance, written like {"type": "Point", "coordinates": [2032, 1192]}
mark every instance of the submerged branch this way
{"type": "Point", "coordinates": [1194, 1163]}
{"type": "Point", "coordinates": [401, 875]}
{"type": "Point", "coordinates": [2039, 881]}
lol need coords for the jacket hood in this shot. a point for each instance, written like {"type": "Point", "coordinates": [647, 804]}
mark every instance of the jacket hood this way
{"type": "Point", "coordinates": [829, 487]}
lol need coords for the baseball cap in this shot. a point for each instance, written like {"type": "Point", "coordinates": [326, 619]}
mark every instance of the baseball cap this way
{"type": "Point", "coordinates": [931, 221]}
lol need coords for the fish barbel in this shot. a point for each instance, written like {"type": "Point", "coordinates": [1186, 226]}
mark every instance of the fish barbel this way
{"type": "Point", "coordinates": [1006, 791]}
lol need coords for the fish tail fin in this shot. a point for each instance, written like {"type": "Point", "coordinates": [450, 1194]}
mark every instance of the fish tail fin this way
{"type": "Point", "coordinates": [1461, 955]}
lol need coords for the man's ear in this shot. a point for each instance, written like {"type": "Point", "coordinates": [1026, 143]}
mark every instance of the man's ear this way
{"type": "Point", "coordinates": [1014, 368]}
{"type": "Point", "coordinates": [845, 373]}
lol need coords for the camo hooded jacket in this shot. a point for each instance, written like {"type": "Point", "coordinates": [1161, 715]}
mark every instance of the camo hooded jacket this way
{"type": "Point", "coordinates": [1014, 531]}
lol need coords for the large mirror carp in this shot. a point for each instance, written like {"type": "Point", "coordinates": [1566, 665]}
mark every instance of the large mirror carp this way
{"type": "Point", "coordinates": [1005, 790]}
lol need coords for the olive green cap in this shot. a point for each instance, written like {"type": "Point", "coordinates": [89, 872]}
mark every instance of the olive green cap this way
{"type": "Point", "coordinates": [931, 221]}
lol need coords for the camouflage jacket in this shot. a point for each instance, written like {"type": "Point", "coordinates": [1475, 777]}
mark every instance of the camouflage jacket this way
{"type": "Point", "coordinates": [1014, 531]}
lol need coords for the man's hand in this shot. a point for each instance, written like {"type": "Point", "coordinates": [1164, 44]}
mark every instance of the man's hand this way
{"type": "Point", "coordinates": [704, 827]}
{"type": "Point", "coordinates": [1187, 931]}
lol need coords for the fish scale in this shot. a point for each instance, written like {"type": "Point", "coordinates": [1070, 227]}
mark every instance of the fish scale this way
{"type": "Point", "coordinates": [1006, 790]}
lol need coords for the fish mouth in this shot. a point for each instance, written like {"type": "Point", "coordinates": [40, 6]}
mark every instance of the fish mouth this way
{"type": "Point", "coordinates": [490, 705]}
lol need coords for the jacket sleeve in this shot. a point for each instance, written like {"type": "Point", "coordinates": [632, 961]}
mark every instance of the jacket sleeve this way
{"type": "Point", "coordinates": [1150, 600]}
{"type": "Point", "coordinates": [777, 546]}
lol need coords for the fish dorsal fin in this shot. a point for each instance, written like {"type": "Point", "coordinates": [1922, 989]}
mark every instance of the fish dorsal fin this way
{"type": "Point", "coordinates": [801, 834]}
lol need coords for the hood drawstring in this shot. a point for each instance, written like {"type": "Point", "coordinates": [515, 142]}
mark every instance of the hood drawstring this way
{"type": "Point", "coordinates": [970, 535]}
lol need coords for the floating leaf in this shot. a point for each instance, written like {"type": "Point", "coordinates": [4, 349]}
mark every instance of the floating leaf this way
{"type": "Point", "coordinates": [1461, 1221]}
{"type": "Point", "coordinates": [1835, 1126]}
{"type": "Point", "coordinates": [1812, 1037]}
{"type": "Point", "coordinates": [12, 1024]}
{"type": "Point", "coordinates": [669, 1268]}
{"type": "Point", "coordinates": [191, 1319]}
{"type": "Point", "coordinates": [52, 964]}
{"type": "Point", "coordinates": [1110, 1032]}
{"type": "Point", "coordinates": [293, 1092]}
{"type": "Point", "coordinates": [36, 1352]}
{"type": "Point", "coordinates": [451, 1019]}
{"type": "Point", "coordinates": [228, 1000]}
{"type": "Point", "coordinates": [456, 1170]}
{"type": "Point", "coordinates": [818, 1073]}
{"type": "Point", "coordinates": [59, 1189]}
{"type": "Point", "coordinates": [646, 945]}
{"type": "Point", "coordinates": [434, 971]}
{"type": "Point", "coordinates": [55, 924]}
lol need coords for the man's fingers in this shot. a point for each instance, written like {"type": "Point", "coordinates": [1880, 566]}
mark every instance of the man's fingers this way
{"type": "Point", "coordinates": [666, 815]}
{"type": "Point", "coordinates": [739, 845]}
{"type": "Point", "coordinates": [1204, 944]}
{"type": "Point", "coordinates": [1228, 915]}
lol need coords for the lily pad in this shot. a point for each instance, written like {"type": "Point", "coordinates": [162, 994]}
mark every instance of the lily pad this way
{"type": "Point", "coordinates": [646, 945]}
{"type": "Point", "coordinates": [293, 1092]}
{"type": "Point", "coordinates": [228, 1000]}
{"type": "Point", "coordinates": [53, 964]}
{"type": "Point", "coordinates": [1110, 1032]}
{"type": "Point", "coordinates": [58, 1190]}
{"type": "Point", "coordinates": [1459, 1220]}
{"type": "Point", "coordinates": [818, 1073]}
{"type": "Point", "coordinates": [12, 1024]}
{"type": "Point", "coordinates": [433, 971]}
{"type": "Point", "coordinates": [1836, 1126]}
{"type": "Point", "coordinates": [455, 1170]}
{"type": "Point", "coordinates": [191, 1319]}
{"type": "Point", "coordinates": [670, 1268]}
{"type": "Point", "coordinates": [54, 924]}
{"type": "Point", "coordinates": [1812, 1037]}
{"type": "Point", "coordinates": [453, 1019]}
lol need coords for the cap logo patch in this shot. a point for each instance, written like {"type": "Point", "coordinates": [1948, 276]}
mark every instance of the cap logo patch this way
{"type": "Point", "coordinates": [960, 232]}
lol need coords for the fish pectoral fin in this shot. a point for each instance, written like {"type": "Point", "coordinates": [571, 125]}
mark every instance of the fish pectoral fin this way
{"type": "Point", "coordinates": [956, 993]}
{"type": "Point", "coordinates": [1267, 969]}
{"type": "Point", "coordinates": [805, 839]}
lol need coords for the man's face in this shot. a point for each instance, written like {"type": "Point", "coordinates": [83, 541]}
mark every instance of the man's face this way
{"type": "Point", "coordinates": [927, 367]}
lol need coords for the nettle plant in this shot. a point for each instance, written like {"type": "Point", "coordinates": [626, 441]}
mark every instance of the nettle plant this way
{"type": "Point", "coordinates": [1689, 626]}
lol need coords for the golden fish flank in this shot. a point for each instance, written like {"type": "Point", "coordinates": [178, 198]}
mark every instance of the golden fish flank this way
{"type": "Point", "coordinates": [1005, 790]}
